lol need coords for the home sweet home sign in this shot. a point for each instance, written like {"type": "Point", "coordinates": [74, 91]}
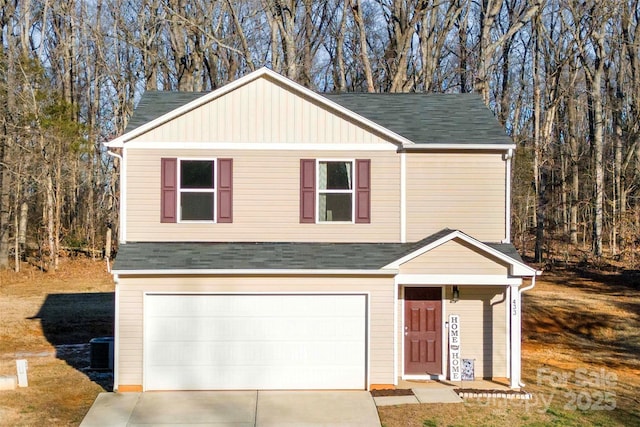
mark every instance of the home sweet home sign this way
{"type": "Point", "coordinates": [455, 363]}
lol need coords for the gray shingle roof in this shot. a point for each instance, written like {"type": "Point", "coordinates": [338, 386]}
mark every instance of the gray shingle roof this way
{"type": "Point", "coordinates": [421, 118]}
{"type": "Point", "coordinates": [429, 118]}
{"type": "Point", "coordinates": [271, 256]}
{"type": "Point", "coordinates": [154, 104]}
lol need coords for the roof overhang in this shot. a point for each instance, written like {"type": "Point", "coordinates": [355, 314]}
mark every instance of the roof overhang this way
{"type": "Point", "coordinates": [460, 147]}
{"type": "Point", "coordinates": [260, 73]}
{"type": "Point", "coordinates": [254, 272]}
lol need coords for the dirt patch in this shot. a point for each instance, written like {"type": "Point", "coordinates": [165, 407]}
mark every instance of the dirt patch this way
{"type": "Point", "coordinates": [392, 392]}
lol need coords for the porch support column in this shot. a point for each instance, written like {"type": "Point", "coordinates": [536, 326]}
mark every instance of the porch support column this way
{"type": "Point", "coordinates": [516, 334]}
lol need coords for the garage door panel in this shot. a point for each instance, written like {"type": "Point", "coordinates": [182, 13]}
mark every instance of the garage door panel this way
{"type": "Point", "coordinates": [217, 328]}
{"type": "Point", "coordinates": [251, 305]}
{"type": "Point", "coordinates": [257, 354]}
{"type": "Point", "coordinates": [199, 342]}
{"type": "Point", "coordinates": [251, 378]}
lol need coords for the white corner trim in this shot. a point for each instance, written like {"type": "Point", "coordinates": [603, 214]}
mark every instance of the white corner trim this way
{"type": "Point", "coordinates": [403, 197]}
{"type": "Point", "coordinates": [122, 198]}
{"type": "Point", "coordinates": [396, 349]}
{"type": "Point", "coordinates": [262, 72]}
{"type": "Point", "coordinates": [122, 233]}
{"type": "Point", "coordinates": [116, 335]}
{"type": "Point", "coordinates": [507, 199]}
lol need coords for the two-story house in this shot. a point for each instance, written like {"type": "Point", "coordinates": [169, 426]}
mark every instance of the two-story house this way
{"type": "Point", "coordinates": [275, 238]}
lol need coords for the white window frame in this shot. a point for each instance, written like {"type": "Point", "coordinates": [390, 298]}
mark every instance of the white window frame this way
{"type": "Point", "coordinates": [213, 190]}
{"type": "Point", "coordinates": [352, 191]}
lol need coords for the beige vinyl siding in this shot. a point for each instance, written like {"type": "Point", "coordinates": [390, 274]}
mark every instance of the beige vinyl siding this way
{"type": "Point", "coordinates": [132, 289]}
{"type": "Point", "coordinates": [454, 257]}
{"type": "Point", "coordinates": [457, 190]}
{"type": "Point", "coordinates": [266, 193]}
{"type": "Point", "coordinates": [262, 111]}
{"type": "Point", "coordinates": [483, 326]}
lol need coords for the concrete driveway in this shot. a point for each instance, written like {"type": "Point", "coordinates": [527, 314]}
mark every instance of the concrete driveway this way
{"type": "Point", "coordinates": [236, 408]}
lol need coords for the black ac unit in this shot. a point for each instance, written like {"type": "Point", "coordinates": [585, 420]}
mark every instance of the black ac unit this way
{"type": "Point", "coordinates": [101, 350]}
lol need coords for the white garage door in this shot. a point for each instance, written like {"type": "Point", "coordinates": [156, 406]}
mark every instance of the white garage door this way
{"type": "Point", "coordinates": [222, 342]}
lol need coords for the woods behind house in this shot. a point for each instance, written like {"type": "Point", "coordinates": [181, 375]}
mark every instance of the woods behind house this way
{"type": "Point", "coordinates": [562, 77]}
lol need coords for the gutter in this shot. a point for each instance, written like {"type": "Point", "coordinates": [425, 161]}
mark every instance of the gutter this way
{"type": "Point", "coordinates": [457, 147]}
{"type": "Point", "coordinates": [255, 272]}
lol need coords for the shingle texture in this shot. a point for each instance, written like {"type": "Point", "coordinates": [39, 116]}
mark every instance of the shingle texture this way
{"type": "Point", "coordinates": [429, 118]}
{"type": "Point", "coordinates": [271, 256]}
{"type": "Point", "coordinates": [154, 104]}
{"type": "Point", "coordinates": [420, 118]}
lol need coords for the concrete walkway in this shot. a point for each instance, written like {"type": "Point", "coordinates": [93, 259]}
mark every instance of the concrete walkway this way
{"type": "Point", "coordinates": [237, 408]}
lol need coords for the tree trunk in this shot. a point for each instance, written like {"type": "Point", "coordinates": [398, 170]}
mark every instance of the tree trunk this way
{"type": "Point", "coordinates": [53, 250]}
{"type": "Point", "coordinates": [356, 9]}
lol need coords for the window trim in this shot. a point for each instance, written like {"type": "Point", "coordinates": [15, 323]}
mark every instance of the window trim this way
{"type": "Point", "coordinates": [352, 191]}
{"type": "Point", "coordinates": [179, 190]}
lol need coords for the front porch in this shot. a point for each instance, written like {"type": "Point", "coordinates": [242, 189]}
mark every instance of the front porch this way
{"type": "Point", "coordinates": [458, 312]}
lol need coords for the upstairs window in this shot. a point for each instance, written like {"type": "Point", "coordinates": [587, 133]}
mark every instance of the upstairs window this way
{"type": "Point", "coordinates": [335, 191]}
{"type": "Point", "coordinates": [197, 190]}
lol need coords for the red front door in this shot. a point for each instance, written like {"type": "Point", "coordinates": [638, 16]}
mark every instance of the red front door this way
{"type": "Point", "coordinates": [422, 331]}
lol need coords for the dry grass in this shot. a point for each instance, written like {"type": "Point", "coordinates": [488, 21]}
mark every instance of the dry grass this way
{"type": "Point", "coordinates": [42, 316]}
{"type": "Point", "coordinates": [572, 320]}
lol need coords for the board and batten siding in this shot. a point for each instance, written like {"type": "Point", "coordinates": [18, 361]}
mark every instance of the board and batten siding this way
{"type": "Point", "coordinates": [454, 257]}
{"type": "Point", "coordinates": [266, 198]}
{"type": "Point", "coordinates": [483, 326]}
{"type": "Point", "coordinates": [131, 303]}
{"type": "Point", "coordinates": [458, 190]}
{"type": "Point", "coordinates": [262, 111]}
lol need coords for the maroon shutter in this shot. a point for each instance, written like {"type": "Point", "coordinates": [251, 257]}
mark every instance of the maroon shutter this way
{"type": "Point", "coordinates": [307, 191]}
{"type": "Point", "coordinates": [225, 190]}
{"type": "Point", "coordinates": [363, 191]}
{"type": "Point", "coordinates": [169, 188]}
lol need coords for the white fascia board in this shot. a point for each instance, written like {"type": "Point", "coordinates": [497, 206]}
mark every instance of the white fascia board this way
{"type": "Point", "coordinates": [460, 147]}
{"type": "Point", "coordinates": [251, 272]}
{"type": "Point", "coordinates": [457, 279]}
{"type": "Point", "coordinates": [249, 146]}
{"type": "Point", "coordinates": [517, 268]}
{"type": "Point", "coordinates": [262, 72]}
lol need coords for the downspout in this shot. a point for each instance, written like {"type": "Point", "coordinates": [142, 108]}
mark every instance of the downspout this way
{"type": "Point", "coordinates": [123, 228]}
{"type": "Point", "coordinates": [107, 253]}
{"type": "Point", "coordinates": [520, 291]}
{"type": "Point", "coordinates": [114, 154]}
